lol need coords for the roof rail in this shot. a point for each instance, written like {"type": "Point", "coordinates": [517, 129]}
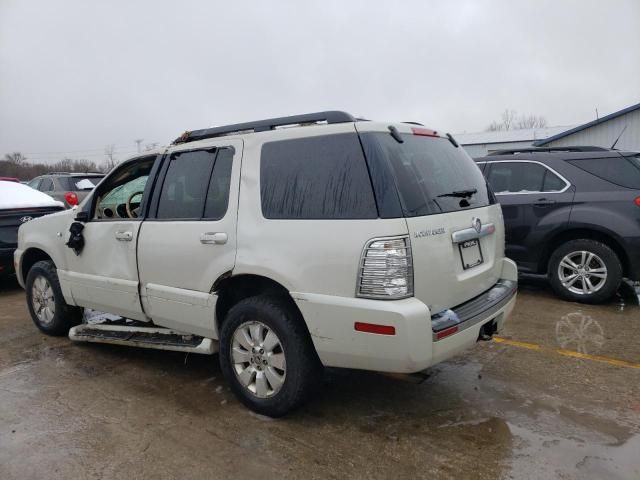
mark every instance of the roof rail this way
{"type": "Point", "coordinates": [511, 151]}
{"type": "Point", "coordinates": [332, 116]}
{"type": "Point", "coordinates": [73, 173]}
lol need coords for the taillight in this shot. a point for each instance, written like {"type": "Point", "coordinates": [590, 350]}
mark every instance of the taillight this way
{"type": "Point", "coordinates": [386, 269]}
{"type": "Point", "coordinates": [637, 201]}
{"type": "Point", "coordinates": [71, 198]}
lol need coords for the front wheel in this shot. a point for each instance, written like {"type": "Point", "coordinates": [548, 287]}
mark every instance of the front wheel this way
{"type": "Point", "coordinates": [585, 271]}
{"type": "Point", "coordinates": [47, 307]}
{"type": "Point", "coordinates": [267, 356]}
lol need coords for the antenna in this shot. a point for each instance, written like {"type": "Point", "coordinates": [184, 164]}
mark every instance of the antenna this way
{"type": "Point", "coordinates": [614, 143]}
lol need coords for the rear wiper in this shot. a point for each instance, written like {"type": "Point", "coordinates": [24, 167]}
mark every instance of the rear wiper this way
{"type": "Point", "coordinates": [460, 193]}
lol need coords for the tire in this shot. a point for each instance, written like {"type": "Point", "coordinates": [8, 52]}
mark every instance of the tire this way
{"type": "Point", "coordinates": [585, 271]}
{"type": "Point", "coordinates": [273, 379]}
{"type": "Point", "coordinates": [47, 307]}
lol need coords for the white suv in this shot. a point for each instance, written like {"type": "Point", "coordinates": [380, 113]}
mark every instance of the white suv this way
{"type": "Point", "coordinates": [286, 244]}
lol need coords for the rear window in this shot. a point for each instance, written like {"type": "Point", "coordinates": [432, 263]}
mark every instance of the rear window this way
{"type": "Point", "coordinates": [430, 173]}
{"type": "Point", "coordinates": [621, 171]}
{"type": "Point", "coordinates": [78, 183]}
{"type": "Point", "coordinates": [322, 177]}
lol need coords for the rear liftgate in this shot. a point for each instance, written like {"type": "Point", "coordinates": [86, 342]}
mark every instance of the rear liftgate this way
{"type": "Point", "coordinates": [134, 334]}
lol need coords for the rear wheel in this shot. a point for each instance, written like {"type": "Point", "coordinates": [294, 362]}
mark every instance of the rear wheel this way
{"type": "Point", "coordinates": [47, 307]}
{"type": "Point", "coordinates": [267, 356]}
{"type": "Point", "coordinates": [585, 271]}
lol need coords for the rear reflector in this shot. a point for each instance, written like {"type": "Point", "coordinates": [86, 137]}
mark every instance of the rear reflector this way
{"type": "Point", "coordinates": [446, 332]}
{"type": "Point", "coordinates": [373, 328]}
{"type": "Point", "coordinates": [637, 201]}
{"type": "Point", "coordinates": [425, 132]}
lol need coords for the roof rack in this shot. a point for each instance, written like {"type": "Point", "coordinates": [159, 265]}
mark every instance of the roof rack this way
{"type": "Point", "coordinates": [511, 151]}
{"type": "Point", "coordinates": [332, 116]}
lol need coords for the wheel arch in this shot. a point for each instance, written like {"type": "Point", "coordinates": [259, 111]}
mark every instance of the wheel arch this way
{"type": "Point", "coordinates": [30, 257]}
{"type": "Point", "coordinates": [231, 289]}
{"type": "Point", "coordinates": [591, 233]}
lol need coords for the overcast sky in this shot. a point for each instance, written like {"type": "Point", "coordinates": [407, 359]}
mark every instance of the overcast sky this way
{"type": "Point", "coordinates": [78, 75]}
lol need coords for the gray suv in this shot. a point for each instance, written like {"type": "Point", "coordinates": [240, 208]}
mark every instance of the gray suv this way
{"type": "Point", "coordinates": [69, 188]}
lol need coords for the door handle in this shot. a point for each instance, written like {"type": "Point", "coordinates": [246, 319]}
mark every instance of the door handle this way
{"type": "Point", "coordinates": [124, 236]}
{"type": "Point", "coordinates": [218, 238]}
{"type": "Point", "coordinates": [543, 202]}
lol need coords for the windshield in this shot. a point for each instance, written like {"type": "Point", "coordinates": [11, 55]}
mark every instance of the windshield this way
{"type": "Point", "coordinates": [431, 174]}
{"type": "Point", "coordinates": [78, 183]}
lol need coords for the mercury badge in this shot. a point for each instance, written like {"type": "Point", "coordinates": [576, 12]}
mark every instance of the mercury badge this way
{"type": "Point", "coordinates": [476, 223]}
{"type": "Point", "coordinates": [25, 219]}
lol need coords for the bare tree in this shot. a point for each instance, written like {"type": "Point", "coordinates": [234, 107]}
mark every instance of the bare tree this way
{"type": "Point", "coordinates": [15, 158]}
{"type": "Point", "coordinates": [532, 121]}
{"type": "Point", "coordinates": [511, 121]}
{"type": "Point", "coordinates": [110, 161]}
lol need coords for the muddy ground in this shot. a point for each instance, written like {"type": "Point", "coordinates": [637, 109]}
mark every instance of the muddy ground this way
{"type": "Point", "coordinates": [525, 408]}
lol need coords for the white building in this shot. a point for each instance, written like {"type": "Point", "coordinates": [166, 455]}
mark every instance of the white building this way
{"type": "Point", "coordinates": [481, 143]}
{"type": "Point", "coordinates": [602, 132]}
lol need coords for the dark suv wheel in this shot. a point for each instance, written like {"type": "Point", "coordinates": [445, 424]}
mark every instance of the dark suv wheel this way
{"type": "Point", "coordinates": [267, 356]}
{"type": "Point", "coordinates": [47, 307]}
{"type": "Point", "coordinates": [585, 271]}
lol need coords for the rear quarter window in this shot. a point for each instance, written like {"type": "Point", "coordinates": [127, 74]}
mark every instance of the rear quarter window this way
{"type": "Point", "coordinates": [323, 177]}
{"type": "Point", "coordinates": [621, 171]}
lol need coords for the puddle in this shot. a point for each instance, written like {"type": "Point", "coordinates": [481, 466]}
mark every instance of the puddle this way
{"type": "Point", "coordinates": [542, 456]}
{"type": "Point", "coordinates": [579, 332]}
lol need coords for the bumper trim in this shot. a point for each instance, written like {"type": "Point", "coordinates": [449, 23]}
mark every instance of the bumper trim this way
{"type": "Point", "coordinates": [476, 310]}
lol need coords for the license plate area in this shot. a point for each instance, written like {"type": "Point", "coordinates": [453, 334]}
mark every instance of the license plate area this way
{"type": "Point", "coordinates": [470, 253]}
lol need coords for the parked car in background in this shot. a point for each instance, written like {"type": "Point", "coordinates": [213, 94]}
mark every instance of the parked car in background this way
{"type": "Point", "coordinates": [571, 213]}
{"type": "Point", "coordinates": [327, 243]}
{"type": "Point", "coordinates": [18, 205]}
{"type": "Point", "coordinates": [69, 188]}
{"type": "Point", "coordinates": [9, 179]}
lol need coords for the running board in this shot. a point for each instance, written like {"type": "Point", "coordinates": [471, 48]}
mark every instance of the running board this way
{"type": "Point", "coordinates": [143, 337]}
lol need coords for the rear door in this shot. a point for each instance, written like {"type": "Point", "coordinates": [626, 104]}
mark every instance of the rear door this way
{"type": "Point", "coordinates": [190, 238]}
{"type": "Point", "coordinates": [536, 201]}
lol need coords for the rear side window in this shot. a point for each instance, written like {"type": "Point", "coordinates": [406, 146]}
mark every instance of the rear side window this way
{"type": "Point", "coordinates": [218, 193]}
{"type": "Point", "coordinates": [322, 177]}
{"type": "Point", "coordinates": [621, 171]}
{"type": "Point", "coordinates": [185, 185]}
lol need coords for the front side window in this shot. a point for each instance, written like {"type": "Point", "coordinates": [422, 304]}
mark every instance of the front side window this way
{"type": "Point", "coordinates": [523, 177]}
{"type": "Point", "coordinates": [35, 182]}
{"type": "Point", "coordinates": [46, 185]}
{"type": "Point", "coordinates": [121, 194]}
{"type": "Point", "coordinates": [323, 177]}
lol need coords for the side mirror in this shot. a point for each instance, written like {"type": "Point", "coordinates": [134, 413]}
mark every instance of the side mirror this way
{"type": "Point", "coordinates": [82, 216]}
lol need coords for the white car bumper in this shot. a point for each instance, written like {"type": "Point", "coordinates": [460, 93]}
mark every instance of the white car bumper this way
{"type": "Point", "coordinates": [415, 344]}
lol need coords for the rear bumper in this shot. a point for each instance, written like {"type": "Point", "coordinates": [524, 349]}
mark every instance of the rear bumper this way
{"type": "Point", "coordinates": [414, 346]}
{"type": "Point", "coordinates": [6, 261]}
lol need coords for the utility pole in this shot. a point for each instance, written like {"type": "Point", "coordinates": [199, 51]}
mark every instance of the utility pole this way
{"type": "Point", "coordinates": [138, 143]}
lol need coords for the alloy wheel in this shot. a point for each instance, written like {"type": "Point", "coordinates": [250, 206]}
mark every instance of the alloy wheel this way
{"type": "Point", "coordinates": [43, 300]}
{"type": "Point", "coordinates": [258, 359]}
{"type": "Point", "coordinates": [582, 272]}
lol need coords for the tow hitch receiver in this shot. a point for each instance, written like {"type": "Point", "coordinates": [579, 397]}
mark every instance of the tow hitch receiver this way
{"type": "Point", "coordinates": [488, 330]}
